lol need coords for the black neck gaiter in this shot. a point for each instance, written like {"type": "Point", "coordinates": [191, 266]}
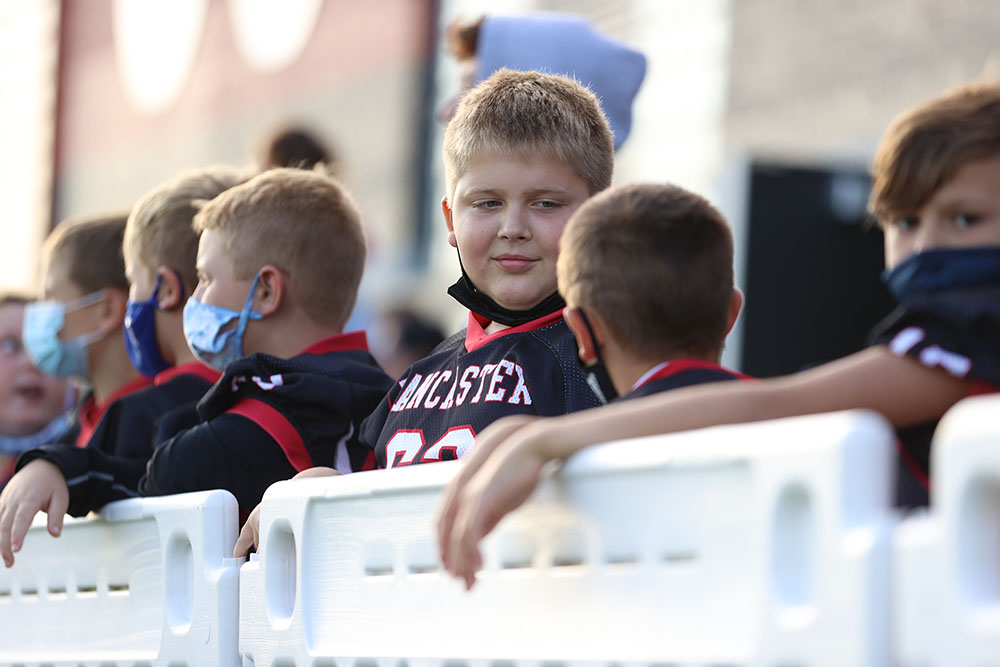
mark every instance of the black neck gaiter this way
{"type": "Point", "coordinates": [466, 294]}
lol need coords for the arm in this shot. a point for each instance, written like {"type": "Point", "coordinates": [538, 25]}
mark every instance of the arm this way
{"type": "Point", "coordinates": [899, 388]}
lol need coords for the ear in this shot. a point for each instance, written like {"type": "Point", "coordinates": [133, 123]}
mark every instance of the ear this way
{"type": "Point", "coordinates": [172, 294]}
{"type": "Point", "coordinates": [735, 306]}
{"type": "Point", "coordinates": [586, 344]}
{"type": "Point", "coordinates": [446, 210]}
{"type": "Point", "coordinates": [112, 310]}
{"type": "Point", "coordinates": [270, 290]}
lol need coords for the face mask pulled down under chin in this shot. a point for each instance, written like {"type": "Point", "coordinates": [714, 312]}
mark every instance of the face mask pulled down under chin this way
{"type": "Point", "coordinates": [43, 320]}
{"type": "Point", "coordinates": [203, 330]}
{"type": "Point", "coordinates": [943, 270]}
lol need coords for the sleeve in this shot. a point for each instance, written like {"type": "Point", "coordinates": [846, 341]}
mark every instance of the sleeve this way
{"type": "Point", "coordinates": [230, 452]}
{"type": "Point", "coordinates": [941, 336]}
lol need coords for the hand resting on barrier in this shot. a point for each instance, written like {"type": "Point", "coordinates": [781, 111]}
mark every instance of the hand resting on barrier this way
{"type": "Point", "coordinates": [39, 486]}
{"type": "Point", "coordinates": [456, 516]}
{"type": "Point", "coordinates": [250, 533]}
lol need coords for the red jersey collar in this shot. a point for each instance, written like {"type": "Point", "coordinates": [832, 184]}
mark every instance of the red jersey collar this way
{"type": "Point", "coordinates": [206, 373]}
{"type": "Point", "coordinates": [91, 411]}
{"type": "Point", "coordinates": [352, 340]}
{"type": "Point", "coordinates": [476, 336]}
{"type": "Point", "coordinates": [675, 366]}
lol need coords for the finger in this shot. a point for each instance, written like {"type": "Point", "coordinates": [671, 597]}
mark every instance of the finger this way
{"type": "Point", "coordinates": [57, 511]}
{"type": "Point", "coordinates": [19, 528]}
{"type": "Point", "coordinates": [446, 520]}
{"type": "Point", "coordinates": [243, 543]}
{"type": "Point", "coordinates": [5, 521]}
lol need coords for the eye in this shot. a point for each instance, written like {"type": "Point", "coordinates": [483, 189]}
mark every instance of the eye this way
{"type": "Point", "coordinates": [9, 346]}
{"type": "Point", "coordinates": [548, 204]}
{"type": "Point", "coordinates": [906, 223]}
{"type": "Point", "coordinates": [487, 204]}
{"type": "Point", "coordinates": [963, 220]}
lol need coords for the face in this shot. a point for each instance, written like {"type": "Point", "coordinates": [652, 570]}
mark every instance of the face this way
{"type": "Point", "coordinates": [217, 282]}
{"type": "Point", "coordinates": [28, 399]}
{"type": "Point", "coordinates": [141, 279]}
{"type": "Point", "coordinates": [962, 213]}
{"type": "Point", "coordinates": [506, 218]}
{"type": "Point", "coordinates": [59, 287]}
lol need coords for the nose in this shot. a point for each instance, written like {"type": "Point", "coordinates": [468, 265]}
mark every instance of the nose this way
{"type": "Point", "coordinates": [932, 233]}
{"type": "Point", "coordinates": [514, 225]}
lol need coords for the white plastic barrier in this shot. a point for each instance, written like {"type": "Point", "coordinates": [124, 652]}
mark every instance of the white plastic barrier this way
{"type": "Point", "coordinates": [761, 544]}
{"type": "Point", "coordinates": [149, 582]}
{"type": "Point", "coordinates": [947, 565]}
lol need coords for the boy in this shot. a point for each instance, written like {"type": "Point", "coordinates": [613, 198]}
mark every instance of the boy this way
{"type": "Point", "coordinates": [159, 249]}
{"type": "Point", "coordinates": [937, 197]}
{"type": "Point", "coordinates": [34, 408]}
{"type": "Point", "coordinates": [76, 331]}
{"type": "Point", "coordinates": [281, 256]}
{"type": "Point", "coordinates": [521, 154]}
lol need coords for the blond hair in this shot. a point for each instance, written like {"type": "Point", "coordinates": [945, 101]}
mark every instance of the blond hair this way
{"type": "Point", "coordinates": [927, 144]}
{"type": "Point", "coordinates": [159, 231]}
{"type": "Point", "coordinates": [302, 222]}
{"type": "Point", "coordinates": [526, 115]}
{"type": "Point", "coordinates": [655, 262]}
{"type": "Point", "coordinates": [91, 246]}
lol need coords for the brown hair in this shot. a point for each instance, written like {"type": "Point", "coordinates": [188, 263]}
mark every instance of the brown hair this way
{"type": "Point", "coordinates": [302, 222]}
{"type": "Point", "coordinates": [524, 115]}
{"type": "Point", "coordinates": [159, 231]}
{"type": "Point", "coordinates": [926, 145]}
{"type": "Point", "coordinates": [656, 263]}
{"type": "Point", "coordinates": [92, 247]}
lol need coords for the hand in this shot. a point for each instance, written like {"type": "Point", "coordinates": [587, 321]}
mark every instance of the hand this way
{"type": "Point", "coordinates": [486, 442]}
{"type": "Point", "coordinates": [250, 533]}
{"type": "Point", "coordinates": [39, 486]}
{"type": "Point", "coordinates": [502, 484]}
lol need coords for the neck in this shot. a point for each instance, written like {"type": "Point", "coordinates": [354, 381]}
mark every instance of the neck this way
{"type": "Point", "coordinates": [110, 368]}
{"type": "Point", "coordinates": [625, 369]}
{"type": "Point", "coordinates": [286, 338]}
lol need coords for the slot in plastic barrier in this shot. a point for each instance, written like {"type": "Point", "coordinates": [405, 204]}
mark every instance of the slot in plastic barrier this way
{"type": "Point", "coordinates": [149, 581]}
{"type": "Point", "coordinates": [947, 562]}
{"type": "Point", "coordinates": [756, 544]}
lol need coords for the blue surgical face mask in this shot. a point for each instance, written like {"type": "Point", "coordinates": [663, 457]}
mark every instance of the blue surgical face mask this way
{"type": "Point", "coordinates": [140, 334]}
{"type": "Point", "coordinates": [944, 269]}
{"type": "Point", "coordinates": [43, 320]}
{"type": "Point", "coordinates": [203, 325]}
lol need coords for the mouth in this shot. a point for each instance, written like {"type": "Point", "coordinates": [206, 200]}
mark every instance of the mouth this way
{"type": "Point", "coordinates": [30, 392]}
{"type": "Point", "coordinates": [515, 262]}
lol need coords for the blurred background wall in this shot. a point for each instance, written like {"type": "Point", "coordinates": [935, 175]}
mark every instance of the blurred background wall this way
{"type": "Point", "coordinates": [771, 108]}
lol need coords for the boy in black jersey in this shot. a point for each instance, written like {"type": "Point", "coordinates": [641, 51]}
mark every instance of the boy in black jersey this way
{"type": "Point", "coordinates": [159, 248]}
{"type": "Point", "coordinates": [936, 194]}
{"type": "Point", "coordinates": [523, 151]}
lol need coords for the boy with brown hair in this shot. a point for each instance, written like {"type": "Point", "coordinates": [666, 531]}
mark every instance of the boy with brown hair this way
{"type": "Point", "coordinates": [76, 331]}
{"type": "Point", "coordinates": [647, 274]}
{"type": "Point", "coordinates": [159, 249]}
{"type": "Point", "coordinates": [937, 197]}
{"type": "Point", "coordinates": [281, 257]}
{"type": "Point", "coordinates": [523, 152]}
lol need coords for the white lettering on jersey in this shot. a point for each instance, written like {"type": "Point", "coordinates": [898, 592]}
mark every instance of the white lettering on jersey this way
{"type": "Point", "coordinates": [955, 364]}
{"type": "Point", "coordinates": [403, 447]}
{"type": "Point", "coordinates": [422, 390]}
{"type": "Point", "coordinates": [267, 385]}
{"type": "Point", "coordinates": [487, 369]}
{"type": "Point", "coordinates": [467, 376]}
{"type": "Point", "coordinates": [904, 341]}
{"type": "Point", "coordinates": [502, 382]}
{"type": "Point", "coordinates": [408, 389]}
{"type": "Point", "coordinates": [432, 400]}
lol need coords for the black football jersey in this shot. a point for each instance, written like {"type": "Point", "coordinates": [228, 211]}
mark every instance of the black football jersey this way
{"type": "Point", "coordinates": [441, 402]}
{"type": "Point", "coordinates": [957, 332]}
{"type": "Point", "coordinates": [680, 373]}
{"type": "Point", "coordinates": [124, 438]}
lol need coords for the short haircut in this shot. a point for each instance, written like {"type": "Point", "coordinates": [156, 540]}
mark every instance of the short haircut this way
{"type": "Point", "coordinates": [527, 115]}
{"type": "Point", "coordinates": [92, 247]}
{"type": "Point", "coordinates": [159, 231]}
{"type": "Point", "coordinates": [302, 222]}
{"type": "Point", "coordinates": [656, 263]}
{"type": "Point", "coordinates": [462, 37]}
{"type": "Point", "coordinates": [294, 146]}
{"type": "Point", "coordinates": [927, 144]}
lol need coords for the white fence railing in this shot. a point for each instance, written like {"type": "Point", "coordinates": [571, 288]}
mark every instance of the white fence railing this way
{"type": "Point", "coordinates": [769, 544]}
